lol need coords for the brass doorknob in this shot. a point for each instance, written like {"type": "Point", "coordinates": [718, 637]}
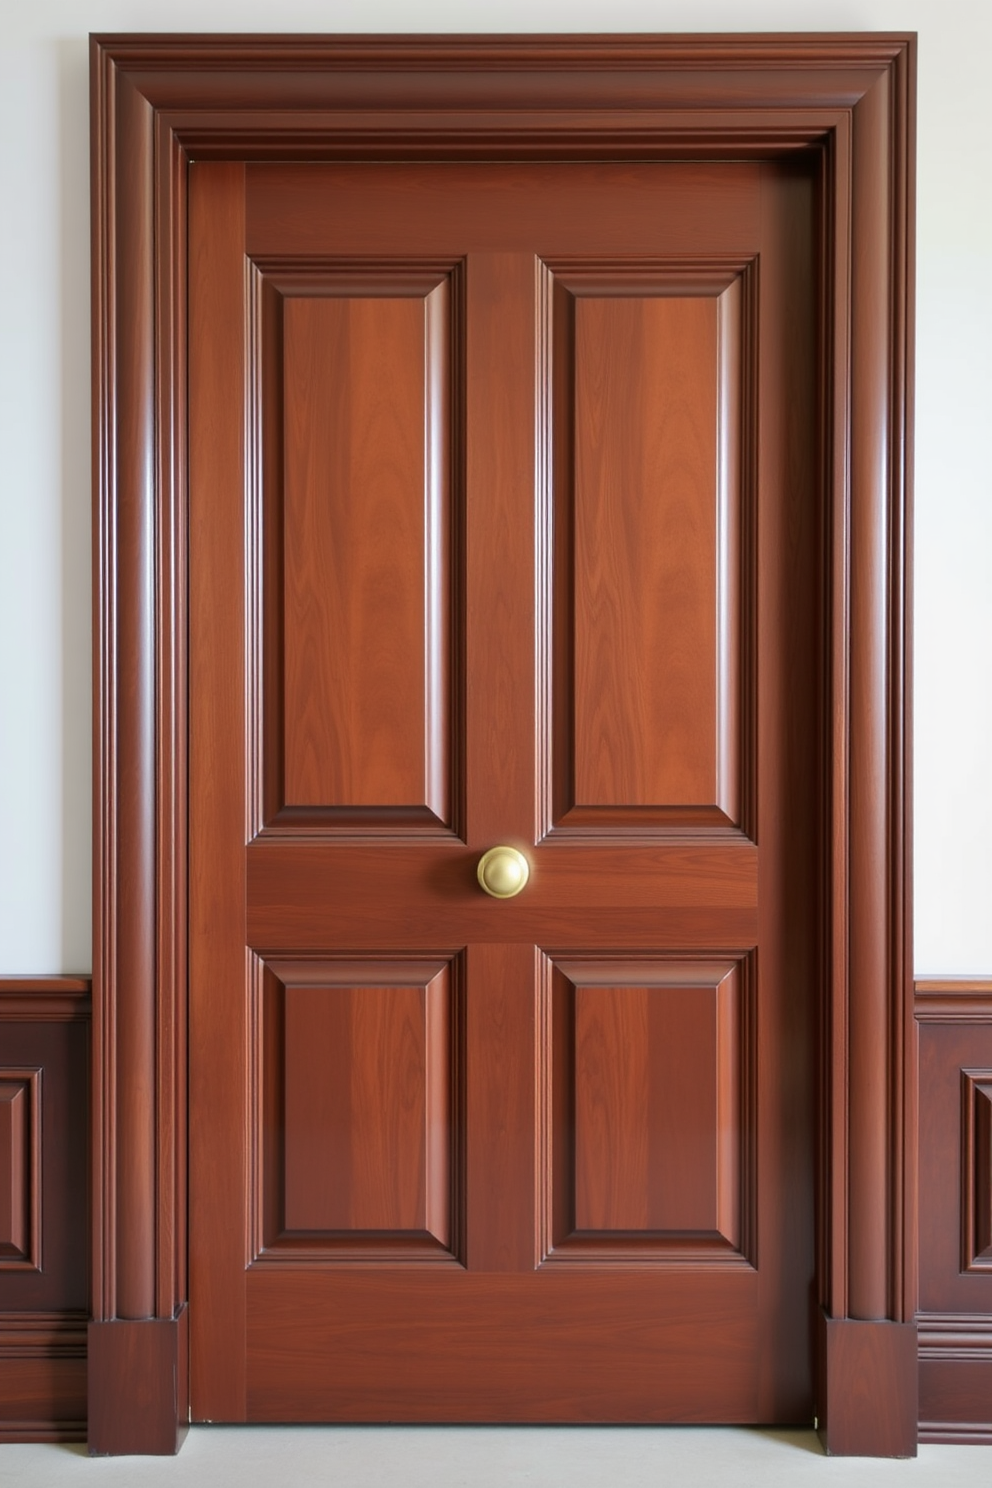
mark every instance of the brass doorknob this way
{"type": "Point", "coordinates": [503, 872]}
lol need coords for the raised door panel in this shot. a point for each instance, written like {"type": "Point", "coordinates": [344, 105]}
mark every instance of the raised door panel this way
{"type": "Point", "coordinates": [651, 1121]}
{"type": "Point", "coordinates": [354, 374]}
{"type": "Point", "coordinates": [652, 419]}
{"type": "Point", "coordinates": [357, 1111]}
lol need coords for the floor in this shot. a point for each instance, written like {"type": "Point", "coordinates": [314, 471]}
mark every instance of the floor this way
{"type": "Point", "coordinates": [492, 1457]}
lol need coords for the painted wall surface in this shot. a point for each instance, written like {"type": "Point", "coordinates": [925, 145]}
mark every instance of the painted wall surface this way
{"type": "Point", "coordinates": [44, 426]}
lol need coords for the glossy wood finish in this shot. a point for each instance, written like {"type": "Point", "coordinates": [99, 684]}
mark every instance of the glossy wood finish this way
{"type": "Point", "coordinates": [708, 636]}
{"type": "Point", "coordinates": [217, 886]}
{"type": "Point", "coordinates": [956, 1378]}
{"type": "Point", "coordinates": [869, 1383]}
{"type": "Point", "coordinates": [44, 1077]}
{"type": "Point", "coordinates": [354, 1085]}
{"type": "Point", "coordinates": [157, 100]}
{"type": "Point", "coordinates": [363, 507]}
{"type": "Point", "coordinates": [44, 1029]}
{"type": "Point", "coordinates": [367, 1100]}
{"type": "Point", "coordinates": [43, 1377]}
{"type": "Point", "coordinates": [653, 1359]}
{"type": "Point", "coordinates": [977, 1169]}
{"type": "Point", "coordinates": [20, 1167]}
{"type": "Point", "coordinates": [954, 1016]}
{"type": "Point", "coordinates": [955, 1172]}
{"type": "Point", "coordinates": [651, 1132]}
{"type": "Point", "coordinates": [650, 550]}
{"type": "Point", "coordinates": [153, 1352]}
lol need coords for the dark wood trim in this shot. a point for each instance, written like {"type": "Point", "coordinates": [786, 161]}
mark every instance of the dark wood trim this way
{"type": "Point", "coordinates": [42, 1377]}
{"type": "Point", "coordinates": [38, 999]}
{"type": "Point", "coordinates": [144, 1362]}
{"type": "Point", "coordinates": [867, 1378]}
{"type": "Point", "coordinates": [953, 1000]}
{"type": "Point", "coordinates": [955, 1379]}
{"type": "Point", "coordinates": [955, 1349]}
{"type": "Point", "coordinates": [160, 101]}
{"type": "Point", "coordinates": [43, 1354]}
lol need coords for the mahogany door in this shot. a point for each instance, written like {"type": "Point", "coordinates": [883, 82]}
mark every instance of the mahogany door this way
{"type": "Point", "coordinates": [506, 528]}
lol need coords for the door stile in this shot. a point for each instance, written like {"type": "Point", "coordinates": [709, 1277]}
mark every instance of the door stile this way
{"type": "Point", "coordinates": [219, 1047]}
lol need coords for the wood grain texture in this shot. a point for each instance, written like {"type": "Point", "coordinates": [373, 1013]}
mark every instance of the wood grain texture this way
{"type": "Point", "coordinates": [367, 1107]}
{"type": "Point", "coordinates": [20, 1168]}
{"type": "Point", "coordinates": [656, 1358]}
{"type": "Point", "coordinates": [955, 1173]}
{"type": "Point", "coordinates": [872, 1161]}
{"type": "Point", "coordinates": [43, 1376]}
{"type": "Point", "coordinates": [355, 98]}
{"type": "Point", "coordinates": [44, 1109]}
{"type": "Point", "coordinates": [656, 1085]}
{"type": "Point", "coordinates": [977, 1093]}
{"type": "Point", "coordinates": [501, 1064]}
{"type": "Point", "coordinates": [868, 1388]}
{"type": "Point", "coordinates": [726, 575]}
{"type": "Point", "coordinates": [218, 1077]}
{"type": "Point", "coordinates": [363, 898]}
{"type": "Point", "coordinates": [500, 403]}
{"type": "Point", "coordinates": [43, 1266]}
{"type": "Point", "coordinates": [364, 506]}
{"type": "Point", "coordinates": [955, 1378]}
{"type": "Point", "coordinates": [353, 1111]}
{"type": "Point", "coordinates": [153, 1352]}
{"type": "Point", "coordinates": [648, 530]}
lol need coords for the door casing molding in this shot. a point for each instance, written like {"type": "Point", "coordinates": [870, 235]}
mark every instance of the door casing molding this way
{"type": "Point", "coordinates": [160, 103]}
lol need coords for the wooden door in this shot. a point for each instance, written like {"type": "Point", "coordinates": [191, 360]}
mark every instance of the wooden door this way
{"type": "Point", "coordinates": [505, 528]}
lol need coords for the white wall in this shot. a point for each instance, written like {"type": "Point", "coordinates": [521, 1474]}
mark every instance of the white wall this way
{"type": "Point", "coordinates": [44, 426]}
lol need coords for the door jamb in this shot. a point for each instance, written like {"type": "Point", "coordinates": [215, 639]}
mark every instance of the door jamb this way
{"type": "Point", "coordinates": [160, 102]}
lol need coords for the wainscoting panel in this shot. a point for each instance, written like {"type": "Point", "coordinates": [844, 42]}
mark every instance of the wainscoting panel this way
{"type": "Point", "coordinates": [44, 1166]}
{"type": "Point", "coordinates": [955, 1318]}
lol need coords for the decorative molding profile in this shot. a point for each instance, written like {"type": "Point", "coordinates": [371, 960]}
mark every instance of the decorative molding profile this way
{"type": "Point", "coordinates": [43, 1377]}
{"type": "Point", "coordinates": [955, 1378]}
{"type": "Point", "coordinates": [42, 999]}
{"type": "Point", "coordinates": [953, 1000]}
{"type": "Point", "coordinates": [955, 1348]}
{"type": "Point", "coordinates": [161, 102]}
{"type": "Point", "coordinates": [42, 1352]}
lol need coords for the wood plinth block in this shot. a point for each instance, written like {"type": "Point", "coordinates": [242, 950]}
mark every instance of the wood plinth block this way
{"type": "Point", "coordinates": [868, 1388]}
{"type": "Point", "coordinates": [138, 1387]}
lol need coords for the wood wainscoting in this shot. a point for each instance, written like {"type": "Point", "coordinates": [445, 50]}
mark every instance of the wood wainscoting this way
{"type": "Point", "coordinates": [44, 1250]}
{"type": "Point", "coordinates": [954, 1017]}
{"type": "Point", "coordinates": [44, 1123]}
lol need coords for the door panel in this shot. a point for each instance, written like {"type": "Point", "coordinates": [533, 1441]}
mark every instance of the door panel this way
{"type": "Point", "coordinates": [651, 1138]}
{"type": "Point", "coordinates": [362, 717]}
{"type": "Point", "coordinates": [656, 653]}
{"type": "Point", "coordinates": [357, 1118]}
{"type": "Point", "coordinates": [356, 629]}
{"type": "Point", "coordinates": [524, 548]}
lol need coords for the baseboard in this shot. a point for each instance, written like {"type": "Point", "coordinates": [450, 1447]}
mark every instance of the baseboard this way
{"type": "Point", "coordinates": [42, 1378]}
{"type": "Point", "coordinates": [138, 1387]}
{"type": "Point", "coordinates": [955, 1378]}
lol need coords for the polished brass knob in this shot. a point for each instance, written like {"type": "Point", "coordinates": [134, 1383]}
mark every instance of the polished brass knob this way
{"type": "Point", "coordinates": [503, 872]}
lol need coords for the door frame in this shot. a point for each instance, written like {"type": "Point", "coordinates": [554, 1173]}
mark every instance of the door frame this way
{"type": "Point", "coordinates": [160, 102]}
